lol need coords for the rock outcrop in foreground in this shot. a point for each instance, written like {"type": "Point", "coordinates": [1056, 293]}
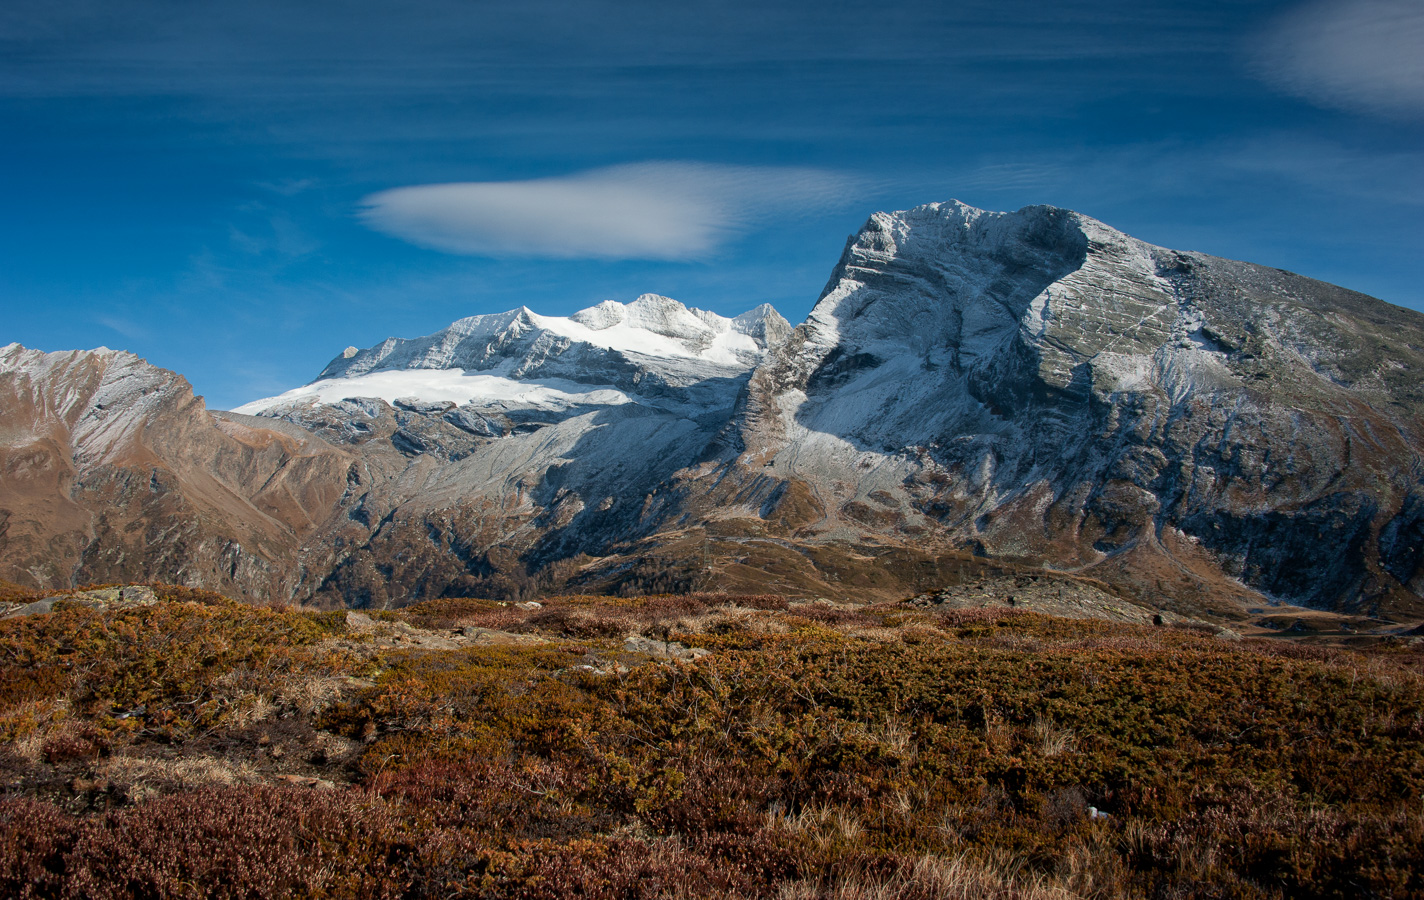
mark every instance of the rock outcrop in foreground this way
{"type": "Point", "coordinates": [974, 393]}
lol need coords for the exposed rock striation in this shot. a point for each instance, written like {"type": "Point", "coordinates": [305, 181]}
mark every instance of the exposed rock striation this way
{"type": "Point", "coordinates": [1036, 385]}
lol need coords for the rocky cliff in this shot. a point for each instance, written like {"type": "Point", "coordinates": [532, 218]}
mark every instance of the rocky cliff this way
{"type": "Point", "coordinates": [1038, 386]}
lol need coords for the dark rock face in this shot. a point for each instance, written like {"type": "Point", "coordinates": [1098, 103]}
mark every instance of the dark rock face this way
{"type": "Point", "coordinates": [1401, 543]}
{"type": "Point", "coordinates": [973, 389]}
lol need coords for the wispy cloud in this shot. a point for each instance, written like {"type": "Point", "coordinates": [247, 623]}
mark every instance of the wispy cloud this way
{"type": "Point", "coordinates": [1329, 169]}
{"type": "Point", "coordinates": [1295, 164]}
{"type": "Point", "coordinates": [128, 329]}
{"type": "Point", "coordinates": [1358, 55]}
{"type": "Point", "coordinates": [261, 231]}
{"type": "Point", "coordinates": [651, 210]}
{"type": "Point", "coordinates": [324, 47]}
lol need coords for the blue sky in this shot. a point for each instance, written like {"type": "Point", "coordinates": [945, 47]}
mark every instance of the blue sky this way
{"type": "Point", "coordinates": [239, 191]}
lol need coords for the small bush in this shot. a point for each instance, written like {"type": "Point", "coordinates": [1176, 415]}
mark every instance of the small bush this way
{"type": "Point", "coordinates": [231, 842]}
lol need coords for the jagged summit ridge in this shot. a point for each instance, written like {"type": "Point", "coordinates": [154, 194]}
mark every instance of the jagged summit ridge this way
{"type": "Point", "coordinates": [981, 310]}
{"type": "Point", "coordinates": [104, 397]}
{"type": "Point", "coordinates": [654, 348]}
{"type": "Point", "coordinates": [946, 276]}
{"type": "Point", "coordinates": [651, 325]}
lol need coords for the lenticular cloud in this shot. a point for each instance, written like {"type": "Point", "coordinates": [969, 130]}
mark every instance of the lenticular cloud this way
{"type": "Point", "coordinates": [654, 210]}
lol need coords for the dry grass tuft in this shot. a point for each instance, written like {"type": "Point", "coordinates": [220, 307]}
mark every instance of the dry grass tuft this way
{"type": "Point", "coordinates": [1050, 739]}
{"type": "Point", "coordinates": [935, 878]}
{"type": "Point", "coordinates": [187, 772]}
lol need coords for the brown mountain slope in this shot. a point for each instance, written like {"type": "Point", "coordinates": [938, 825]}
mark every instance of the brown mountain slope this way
{"type": "Point", "coordinates": [111, 470]}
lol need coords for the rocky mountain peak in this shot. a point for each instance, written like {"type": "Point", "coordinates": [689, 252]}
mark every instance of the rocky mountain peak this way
{"type": "Point", "coordinates": [1036, 383]}
{"type": "Point", "coordinates": [653, 313]}
{"type": "Point", "coordinates": [764, 325]}
{"type": "Point", "coordinates": [649, 347]}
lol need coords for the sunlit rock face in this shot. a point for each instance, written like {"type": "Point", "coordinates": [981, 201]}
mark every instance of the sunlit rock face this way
{"type": "Point", "coordinates": [111, 470]}
{"type": "Point", "coordinates": [1038, 385]}
{"type": "Point", "coordinates": [1032, 387]}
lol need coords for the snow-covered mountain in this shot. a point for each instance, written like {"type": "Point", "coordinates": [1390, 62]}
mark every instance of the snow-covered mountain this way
{"type": "Point", "coordinates": [1038, 385]}
{"type": "Point", "coordinates": [972, 389]}
{"type": "Point", "coordinates": [563, 424]}
{"type": "Point", "coordinates": [654, 347]}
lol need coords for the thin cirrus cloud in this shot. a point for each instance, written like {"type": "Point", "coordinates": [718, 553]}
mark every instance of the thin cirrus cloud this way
{"type": "Point", "coordinates": [651, 210]}
{"type": "Point", "coordinates": [1358, 55]}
